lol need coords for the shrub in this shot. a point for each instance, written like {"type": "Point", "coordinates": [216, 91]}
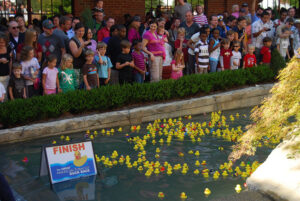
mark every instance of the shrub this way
{"type": "Point", "coordinates": [21, 111]}
{"type": "Point", "coordinates": [277, 61]}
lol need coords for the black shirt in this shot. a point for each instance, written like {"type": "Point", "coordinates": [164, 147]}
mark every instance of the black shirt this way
{"type": "Point", "coordinates": [126, 73]}
{"type": "Point", "coordinates": [4, 68]}
{"type": "Point", "coordinates": [17, 85]}
{"type": "Point", "coordinates": [114, 49]}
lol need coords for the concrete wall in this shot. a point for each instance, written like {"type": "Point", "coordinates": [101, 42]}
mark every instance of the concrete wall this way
{"type": "Point", "coordinates": [223, 101]}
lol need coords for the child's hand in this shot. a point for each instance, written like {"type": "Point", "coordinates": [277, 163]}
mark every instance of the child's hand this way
{"type": "Point", "coordinates": [59, 90]}
{"type": "Point", "coordinates": [107, 80]}
{"type": "Point", "coordinates": [88, 88]}
{"type": "Point", "coordinates": [222, 69]}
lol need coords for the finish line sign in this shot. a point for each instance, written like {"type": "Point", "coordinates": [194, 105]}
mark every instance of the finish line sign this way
{"type": "Point", "coordinates": [67, 162]}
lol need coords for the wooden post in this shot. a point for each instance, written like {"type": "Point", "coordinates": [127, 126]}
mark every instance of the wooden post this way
{"type": "Point", "coordinates": [29, 11]}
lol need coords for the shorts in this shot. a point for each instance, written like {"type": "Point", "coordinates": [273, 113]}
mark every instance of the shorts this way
{"type": "Point", "coordinates": [50, 91]}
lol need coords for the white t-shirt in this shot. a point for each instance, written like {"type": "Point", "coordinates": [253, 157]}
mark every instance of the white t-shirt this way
{"type": "Point", "coordinates": [236, 57]}
{"type": "Point", "coordinates": [258, 26]}
{"type": "Point", "coordinates": [283, 45]}
{"type": "Point", "coordinates": [28, 69]}
{"type": "Point", "coordinates": [2, 90]}
{"type": "Point", "coordinates": [195, 38]}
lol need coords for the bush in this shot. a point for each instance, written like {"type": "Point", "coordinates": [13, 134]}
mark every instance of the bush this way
{"type": "Point", "coordinates": [21, 111]}
{"type": "Point", "coordinates": [277, 61]}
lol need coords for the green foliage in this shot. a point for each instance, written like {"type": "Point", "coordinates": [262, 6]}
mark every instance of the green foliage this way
{"type": "Point", "coordinates": [87, 18]}
{"type": "Point", "coordinates": [277, 61]}
{"type": "Point", "coordinates": [21, 111]}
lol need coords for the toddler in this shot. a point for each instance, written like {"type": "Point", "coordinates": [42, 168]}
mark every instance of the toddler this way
{"type": "Point", "coordinates": [50, 76]}
{"type": "Point", "coordinates": [66, 74]}
{"type": "Point", "coordinates": [250, 59]}
{"type": "Point", "coordinates": [89, 72]}
{"type": "Point", "coordinates": [177, 65]}
{"type": "Point", "coordinates": [103, 64]}
{"type": "Point", "coordinates": [225, 55]}
{"type": "Point", "coordinates": [235, 60]}
{"type": "Point", "coordinates": [266, 51]}
{"type": "Point", "coordinates": [16, 85]}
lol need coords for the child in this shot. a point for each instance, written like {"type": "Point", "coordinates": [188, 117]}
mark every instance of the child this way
{"type": "Point", "coordinates": [125, 63]}
{"type": "Point", "coordinates": [139, 61]}
{"type": "Point", "coordinates": [250, 59]}
{"type": "Point", "coordinates": [181, 44]}
{"type": "Point", "coordinates": [177, 65]}
{"type": "Point", "coordinates": [16, 85]}
{"type": "Point", "coordinates": [103, 64]}
{"type": "Point", "coordinates": [201, 51]}
{"type": "Point", "coordinates": [283, 43]}
{"type": "Point", "coordinates": [66, 74]}
{"type": "Point", "coordinates": [266, 51]}
{"type": "Point", "coordinates": [230, 36]}
{"type": "Point", "coordinates": [200, 18]}
{"type": "Point", "coordinates": [235, 60]}
{"type": "Point", "coordinates": [50, 76]}
{"type": "Point", "coordinates": [225, 55]}
{"type": "Point", "coordinates": [30, 70]}
{"type": "Point", "coordinates": [214, 50]}
{"type": "Point", "coordinates": [89, 72]}
{"type": "Point", "coordinates": [2, 93]}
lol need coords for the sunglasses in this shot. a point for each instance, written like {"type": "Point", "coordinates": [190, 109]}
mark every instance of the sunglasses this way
{"type": "Point", "coordinates": [236, 46]}
{"type": "Point", "coordinates": [15, 27]}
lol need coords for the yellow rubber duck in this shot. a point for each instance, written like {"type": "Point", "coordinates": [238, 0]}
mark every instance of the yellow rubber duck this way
{"type": "Point", "coordinates": [184, 171]}
{"type": "Point", "coordinates": [203, 163]}
{"type": "Point", "coordinates": [191, 152]}
{"type": "Point", "coordinates": [88, 132]}
{"type": "Point", "coordinates": [216, 176]}
{"type": "Point", "coordinates": [238, 188]}
{"type": "Point", "coordinates": [197, 153]}
{"type": "Point", "coordinates": [156, 171]}
{"type": "Point", "coordinates": [205, 174]}
{"type": "Point", "coordinates": [140, 168]}
{"type": "Point", "coordinates": [62, 137]}
{"type": "Point", "coordinates": [197, 163]}
{"type": "Point", "coordinates": [148, 173]}
{"type": "Point", "coordinates": [242, 164]}
{"type": "Point", "coordinates": [95, 133]}
{"type": "Point", "coordinates": [67, 138]}
{"type": "Point", "coordinates": [183, 196]}
{"type": "Point", "coordinates": [207, 192]}
{"type": "Point", "coordinates": [157, 156]}
{"type": "Point", "coordinates": [91, 137]}
{"type": "Point", "coordinates": [169, 172]}
{"type": "Point", "coordinates": [53, 142]}
{"type": "Point", "coordinates": [161, 195]}
{"type": "Point", "coordinates": [196, 172]}
{"type": "Point", "coordinates": [157, 150]}
{"type": "Point", "coordinates": [79, 160]}
{"type": "Point", "coordinates": [224, 174]}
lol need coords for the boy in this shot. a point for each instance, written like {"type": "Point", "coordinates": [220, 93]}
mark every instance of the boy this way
{"type": "Point", "coordinates": [125, 63]}
{"type": "Point", "coordinates": [225, 55]}
{"type": "Point", "coordinates": [266, 51]}
{"type": "Point", "coordinates": [103, 64]}
{"type": "Point", "coordinates": [236, 56]}
{"type": "Point", "coordinates": [89, 72]}
{"type": "Point", "coordinates": [283, 43]}
{"type": "Point", "coordinates": [16, 85]}
{"type": "Point", "coordinates": [202, 54]}
{"type": "Point", "coordinates": [250, 59]}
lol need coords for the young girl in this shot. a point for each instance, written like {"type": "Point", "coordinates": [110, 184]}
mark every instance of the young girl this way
{"type": "Point", "coordinates": [181, 44]}
{"type": "Point", "coordinates": [214, 50]}
{"type": "Point", "coordinates": [177, 65]}
{"type": "Point", "coordinates": [30, 70]}
{"type": "Point", "coordinates": [283, 43]}
{"type": "Point", "coordinates": [66, 74]}
{"type": "Point", "coordinates": [139, 61]}
{"type": "Point", "coordinates": [50, 76]}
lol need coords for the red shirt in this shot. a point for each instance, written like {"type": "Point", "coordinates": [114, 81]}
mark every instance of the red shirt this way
{"type": "Point", "coordinates": [227, 54]}
{"type": "Point", "coordinates": [36, 50]}
{"type": "Point", "coordinates": [184, 48]}
{"type": "Point", "coordinates": [266, 52]}
{"type": "Point", "coordinates": [102, 33]}
{"type": "Point", "coordinates": [249, 60]}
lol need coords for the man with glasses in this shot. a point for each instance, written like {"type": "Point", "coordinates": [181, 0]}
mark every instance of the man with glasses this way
{"type": "Point", "coordinates": [15, 38]}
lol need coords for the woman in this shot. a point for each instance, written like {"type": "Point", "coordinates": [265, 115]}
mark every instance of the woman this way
{"type": "Point", "coordinates": [154, 48]}
{"type": "Point", "coordinates": [77, 46]}
{"type": "Point", "coordinates": [31, 37]}
{"type": "Point", "coordinates": [88, 36]}
{"type": "Point", "coordinates": [239, 34]}
{"type": "Point", "coordinates": [133, 33]}
{"type": "Point", "coordinates": [173, 31]}
{"type": "Point", "coordinates": [21, 22]}
{"type": "Point", "coordinates": [5, 60]}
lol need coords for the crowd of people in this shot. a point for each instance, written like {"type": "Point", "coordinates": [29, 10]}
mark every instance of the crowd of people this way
{"type": "Point", "coordinates": [60, 54]}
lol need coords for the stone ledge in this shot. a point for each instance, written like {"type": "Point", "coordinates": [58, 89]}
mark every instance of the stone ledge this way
{"type": "Point", "coordinates": [235, 99]}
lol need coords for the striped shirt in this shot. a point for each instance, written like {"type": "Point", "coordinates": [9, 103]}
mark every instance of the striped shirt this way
{"type": "Point", "coordinates": [200, 19]}
{"type": "Point", "coordinates": [201, 50]}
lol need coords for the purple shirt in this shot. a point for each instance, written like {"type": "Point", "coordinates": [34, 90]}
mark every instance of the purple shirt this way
{"type": "Point", "coordinates": [51, 75]}
{"type": "Point", "coordinates": [133, 34]}
{"type": "Point", "coordinates": [93, 46]}
{"type": "Point", "coordinates": [139, 60]}
{"type": "Point", "coordinates": [236, 14]}
{"type": "Point", "coordinates": [154, 44]}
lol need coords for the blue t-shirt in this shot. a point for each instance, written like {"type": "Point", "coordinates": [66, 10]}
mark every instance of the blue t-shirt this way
{"type": "Point", "coordinates": [103, 69]}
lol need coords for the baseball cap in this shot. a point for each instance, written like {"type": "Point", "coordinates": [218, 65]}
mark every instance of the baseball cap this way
{"type": "Point", "coordinates": [242, 10]}
{"type": "Point", "coordinates": [136, 18]}
{"type": "Point", "coordinates": [48, 24]}
{"type": "Point", "coordinates": [244, 5]}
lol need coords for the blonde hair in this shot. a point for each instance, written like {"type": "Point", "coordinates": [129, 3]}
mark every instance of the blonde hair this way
{"type": "Point", "coordinates": [101, 45]}
{"type": "Point", "coordinates": [178, 57]}
{"type": "Point", "coordinates": [181, 30]}
{"type": "Point", "coordinates": [89, 52]}
{"type": "Point", "coordinates": [64, 60]}
{"type": "Point", "coordinates": [29, 36]}
{"type": "Point", "coordinates": [234, 7]}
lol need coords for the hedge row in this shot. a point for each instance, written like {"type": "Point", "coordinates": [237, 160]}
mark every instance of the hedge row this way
{"type": "Point", "coordinates": [23, 111]}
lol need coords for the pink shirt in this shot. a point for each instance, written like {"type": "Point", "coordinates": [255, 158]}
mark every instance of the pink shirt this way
{"type": "Point", "coordinates": [236, 14]}
{"type": "Point", "coordinates": [133, 34]}
{"type": "Point", "coordinates": [154, 44]}
{"type": "Point", "coordinates": [200, 19]}
{"type": "Point", "coordinates": [139, 60]}
{"type": "Point", "coordinates": [51, 75]}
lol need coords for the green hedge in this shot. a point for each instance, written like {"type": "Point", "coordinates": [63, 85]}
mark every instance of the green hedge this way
{"type": "Point", "coordinates": [21, 111]}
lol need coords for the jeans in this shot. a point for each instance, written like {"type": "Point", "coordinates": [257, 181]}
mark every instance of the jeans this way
{"type": "Point", "coordinates": [139, 78]}
{"type": "Point", "coordinates": [213, 66]}
{"type": "Point", "coordinates": [190, 69]}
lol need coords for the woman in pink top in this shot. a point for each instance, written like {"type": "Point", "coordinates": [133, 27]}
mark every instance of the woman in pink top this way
{"type": "Point", "coordinates": [235, 11]}
{"type": "Point", "coordinates": [152, 46]}
{"type": "Point", "coordinates": [133, 33]}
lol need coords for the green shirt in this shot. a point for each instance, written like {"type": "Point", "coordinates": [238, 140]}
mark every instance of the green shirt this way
{"type": "Point", "coordinates": [67, 80]}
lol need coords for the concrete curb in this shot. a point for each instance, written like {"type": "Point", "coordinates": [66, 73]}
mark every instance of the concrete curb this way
{"type": "Point", "coordinates": [235, 99]}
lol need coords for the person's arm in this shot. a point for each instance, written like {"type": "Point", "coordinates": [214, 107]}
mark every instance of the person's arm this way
{"type": "Point", "coordinates": [87, 86]}
{"type": "Point", "coordinates": [259, 32]}
{"type": "Point", "coordinates": [120, 66]}
{"type": "Point", "coordinates": [76, 52]}
{"type": "Point", "coordinates": [253, 10]}
{"type": "Point", "coordinates": [100, 61]}
{"type": "Point", "coordinates": [24, 93]}
{"type": "Point", "coordinates": [144, 43]}
{"type": "Point", "coordinates": [98, 82]}
{"type": "Point", "coordinates": [211, 44]}
{"type": "Point", "coordinates": [222, 62]}
{"type": "Point", "coordinates": [63, 51]}
{"type": "Point", "coordinates": [190, 44]}
{"type": "Point", "coordinates": [44, 82]}
{"type": "Point", "coordinates": [288, 54]}
{"type": "Point", "coordinates": [10, 92]}
{"type": "Point", "coordinates": [10, 63]}
{"type": "Point", "coordinates": [39, 56]}
{"type": "Point", "coordinates": [244, 64]}
{"type": "Point", "coordinates": [57, 84]}
{"type": "Point", "coordinates": [108, 75]}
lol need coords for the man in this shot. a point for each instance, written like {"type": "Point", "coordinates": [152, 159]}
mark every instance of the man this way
{"type": "Point", "coordinates": [189, 25]}
{"type": "Point", "coordinates": [15, 38]}
{"type": "Point", "coordinates": [181, 9]}
{"type": "Point", "coordinates": [71, 32]}
{"type": "Point", "coordinates": [291, 12]}
{"type": "Point", "coordinates": [61, 31]}
{"type": "Point", "coordinates": [260, 30]}
{"type": "Point", "coordinates": [282, 19]}
{"type": "Point", "coordinates": [255, 14]}
{"type": "Point", "coordinates": [50, 43]}
{"type": "Point", "coordinates": [247, 14]}
{"type": "Point", "coordinates": [98, 22]}
{"type": "Point", "coordinates": [104, 32]}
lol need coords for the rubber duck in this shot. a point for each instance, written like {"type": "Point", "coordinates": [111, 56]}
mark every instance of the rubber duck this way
{"type": "Point", "coordinates": [196, 172]}
{"type": "Point", "coordinates": [224, 174]}
{"type": "Point", "coordinates": [140, 168]}
{"type": "Point", "coordinates": [120, 129]}
{"type": "Point", "coordinates": [88, 132]}
{"type": "Point", "coordinates": [161, 141]}
{"type": "Point", "coordinates": [221, 148]}
{"type": "Point", "coordinates": [156, 171]}
{"type": "Point", "coordinates": [242, 164]}
{"type": "Point", "coordinates": [79, 160]}
{"type": "Point", "coordinates": [197, 153]}
{"type": "Point", "coordinates": [53, 142]}
{"type": "Point", "coordinates": [62, 137]}
{"type": "Point", "coordinates": [161, 195]}
{"type": "Point", "coordinates": [153, 142]}
{"type": "Point", "coordinates": [157, 150]}
{"type": "Point", "coordinates": [183, 196]}
{"type": "Point", "coordinates": [95, 133]}
{"type": "Point", "coordinates": [157, 156]}
{"type": "Point", "coordinates": [191, 152]}
{"type": "Point", "coordinates": [103, 131]}
{"type": "Point", "coordinates": [92, 137]}
{"type": "Point", "coordinates": [180, 154]}
{"type": "Point", "coordinates": [184, 171]}
{"type": "Point", "coordinates": [205, 174]}
{"type": "Point", "coordinates": [203, 163]}
{"type": "Point", "coordinates": [169, 171]}
{"type": "Point", "coordinates": [207, 192]}
{"type": "Point", "coordinates": [216, 176]}
{"type": "Point", "coordinates": [148, 173]}
{"type": "Point", "coordinates": [197, 163]}
{"type": "Point", "coordinates": [238, 188]}
{"type": "Point", "coordinates": [67, 138]}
